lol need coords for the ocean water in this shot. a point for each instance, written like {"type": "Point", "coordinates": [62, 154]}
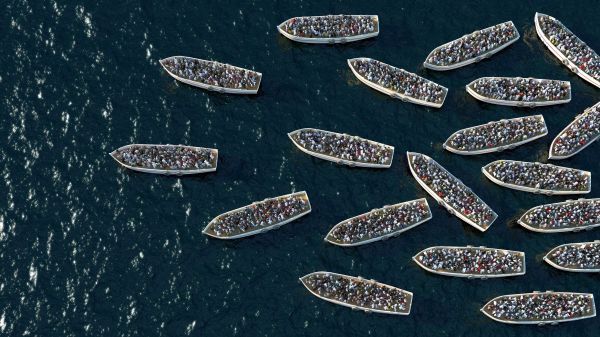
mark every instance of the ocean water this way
{"type": "Point", "coordinates": [90, 249]}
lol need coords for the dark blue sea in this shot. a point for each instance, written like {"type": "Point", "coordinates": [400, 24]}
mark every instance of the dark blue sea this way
{"type": "Point", "coordinates": [90, 249]}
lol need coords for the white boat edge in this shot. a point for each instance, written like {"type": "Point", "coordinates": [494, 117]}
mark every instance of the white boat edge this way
{"type": "Point", "coordinates": [316, 40]}
{"type": "Point", "coordinates": [524, 224]}
{"type": "Point", "coordinates": [519, 104]}
{"type": "Point", "coordinates": [576, 119]}
{"type": "Point", "coordinates": [574, 270]}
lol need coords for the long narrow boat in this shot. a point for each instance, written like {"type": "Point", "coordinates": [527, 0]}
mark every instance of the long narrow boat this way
{"type": "Point", "coordinates": [465, 204]}
{"type": "Point", "coordinates": [358, 293]}
{"type": "Point", "coordinates": [543, 178]}
{"type": "Point", "coordinates": [578, 135]}
{"type": "Point", "coordinates": [521, 92]}
{"type": "Point", "coordinates": [342, 148]}
{"type": "Point", "coordinates": [380, 224]}
{"type": "Point", "coordinates": [212, 75]}
{"type": "Point", "coordinates": [471, 262]}
{"type": "Point", "coordinates": [397, 82]}
{"type": "Point", "coordinates": [496, 136]}
{"type": "Point", "coordinates": [259, 217]}
{"type": "Point", "coordinates": [578, 57]}
{"type": "Point", "coordinates": [540, 308]}
{"type": "Point", "coordinates": [330, 29]}
{"type": "Point", "coordinates": [166, 159]}
{"type": "Point", "coordinates": [566, 216]}
{"type": "Point", "coordinates": [581, 257]}
{"type": "Point", "coordinates": [444, 57]}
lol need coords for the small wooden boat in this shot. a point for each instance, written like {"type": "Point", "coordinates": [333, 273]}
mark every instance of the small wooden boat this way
{"type": "Point", "coordinates": [166, 159]}
{"type": "Point", "coordinates": [358, 293]}
{"type": "Point", "coordinates": [582, 257]}
{"type": "Point", "coordinates": [578, 135]}
{"type": "Point", "coordinates": [566, 216]}
{"type": "Point", "coordinates": [525, 88]}
{"type": "Point", "coordinates": [526, 129]}
{"type": "Point", "coordinates": [211, 75]}
{"type": "Point", "coordinates": [291, 28]}
{"type": "Point", "coordinates": [259, 217]}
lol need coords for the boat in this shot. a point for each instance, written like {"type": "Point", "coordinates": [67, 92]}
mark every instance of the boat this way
{"type": "Point", "coordinates": [542, 308]}
{"type": "Point", "coordinates": [385, 222]}
{"type": "Point", "coordinates": [398, 301]}
{"type": "Point", "coordinates": [435, 99]}
{"type": "Point", "coordinates": [381, 157]}
{"type": "Point", "coordinates": [250, 79]}
{"type": "Point", "coordinates": [131, 156]}
{"type": "Point", "coordinates": [572, 140]}
{"type": "Point", "coordinates": [370, 30]}
{"type": "Point", "coordinates": [581, 257]}
{"type": "Point", "coordinates": [543, 179]}
{"type": "Point", "coordinates": [523, 91]}
{"type": "Point", "coordinates": [233, 225]}
{"type": "Point", "coordinates": [473, 211]}
{"type": "Point", "coordinates": [470, 262]}
{"type": "Point", "coordinates": [496, 136]}
{"type": "Point", "coordinates": [580, 66]}
{"type": "Point", "coordinates": [444, 51]}
{"type": "Point", "coordinates": [566, 216]}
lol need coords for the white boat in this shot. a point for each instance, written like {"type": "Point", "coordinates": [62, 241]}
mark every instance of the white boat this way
{"type": "Point", "coordinates": [533, 120]}
{"type": "Point", "coordinates": [475, 58]}
{"type": "Point", "coordinates": [591, 114]}
{"type": "Point", "coordinates": [210, 166]}
{"type": "Point", "coordinates": [396, 94]}
{"type": "Point", "coordinates": [593, 79]}
{"type": "Point", "coordinates": [213, 87]}
{"type": "Point", "coordinates": [212, 229]}
{"type": "Point", "coordinates": [466, 274]}
{"type": "Point", "coordinates": [590, 307]}
{"type": "Point", "coordinates": [472, 90]}
{"type": "Point", "coordinates": [556, 191]}
{"type": "Point", "coordinates": [557, 226]}
{"type": "Point", "coordinates": [407, 295]}
{"type": "Point", "coordinates": [294, 136]}
{"type": "Point", "coordinates": [483, 226]}
{"type": "Point", "coordinates": [579, 249]}
{"type": "Point", "coordinates": [376, 213]}
{"type": "Point", "coordinates": [330, 40]}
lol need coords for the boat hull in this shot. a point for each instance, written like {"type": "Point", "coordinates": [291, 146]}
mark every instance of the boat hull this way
{"type": "Point", "coordinates": [519, 104]}
{"type": "Point", "coordinates": [336, 40]}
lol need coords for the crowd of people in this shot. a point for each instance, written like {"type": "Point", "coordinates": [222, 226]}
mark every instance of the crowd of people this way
{"type": "Point", "coordinates": [331, 26]}
{"type": "Point", "coordinates": [522, 89]}
{"type": "Point", "coordinates": [571, 46]}
{"type": "Point", "coordinates": [474, 261]}
{"type": "Point", "coordinates": [576, 213]}
{"type": "Point", "coordinates": [166, 157]}
{"type": "Point", "coordinates": [452, 191]}
{"type": "Point", "coordinates": [473, 45]}
{"type": "Point", "coordinates": [399, 80]}
{"type": "Point", "coordinates": [380, 222]}
{"type": "Point", "coordinates": [497, 134]}
{"type": "Point", "coordinates": [539, 176]}
{"type": "Point", "coordinates": [361, 293]}
{"type": "Point", "coordinates": [344, 147]}
{"type": "Point", "coordinates": [578, 256]}
{"type": "Point", "coordinates": [541, 307]}
{"type": "Point", "coordinates": [582, 131]}
{"type": "Point", "coordinates": [212, 73]}
{"type": "Point", "coordinates": [260, 215]}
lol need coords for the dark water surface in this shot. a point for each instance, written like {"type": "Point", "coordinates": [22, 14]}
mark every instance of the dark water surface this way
{"type": "Point", "coordinates": [90, 249]}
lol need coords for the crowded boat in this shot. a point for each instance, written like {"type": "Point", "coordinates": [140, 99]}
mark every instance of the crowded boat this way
{"type": "Point", "coordinates": [497, 135]}
{"type": "Point", "coordinates": [358, 293]}
{"type": "Point", "coordinates": [342, 148]}
{"type": "Point", "coordinates": [259, 217]}
{"type": "Point", "coordinates": [540, 308]}
{"type": "Point", "coordinates": [577, 257]}
{"type": "Point", "coordinates": [538, 177]}
{"type": "Point", "coordinates": [580, 133]}
{"type": "Point", "coordinates": [380, 223]}
{"type": "Point", "coordinates": [568, 48]}
{"type": "Point", "coordinates": [450, 192]}
{"type": "Point", "coordinates": [166, 159]}
{"type": "Point", "coordinates": [566, 216]}
{"type": "Point", "coordinates": [472, 47]}
{"type": "Point", "coordinates": [517, 91]}
{"type": "Point", "coordinates": [330, 28]}
{"type": "Point", "coordinates": [471, 262]}
{"type": "Point", "coordinates": [398, 83]}
{"type": "Point", "coordinates": [212, 75]}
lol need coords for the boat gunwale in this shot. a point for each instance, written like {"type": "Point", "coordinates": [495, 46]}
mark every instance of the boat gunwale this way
{"type": "Point", "coordinates": [529, 104]}
{"type": "Point", "coordinates": [521, 221]}
{"type": "Point", "coordinates": [575, 120]}
{"type": "Point", "coordinates": [571, 269]}
{"type": "Point", "coordinates": [329, 40]}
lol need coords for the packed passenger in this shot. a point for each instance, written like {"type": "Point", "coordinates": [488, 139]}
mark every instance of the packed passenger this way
{"type": "Point", "coordinates": [331, 26]}
{"type": "Point", "coordinates": [212, 73]}
{"type": "Point", "coordinates": [472, 261]}
{"type": "Point", "coordinates": [584, 130]}
{"type": "Point", "coordinates": [522, 89]}
{"type": "Point", "coordinates": [578, 213]}
{"type": "Point", "coordinates": [166, 157]}
{"type": "Point", "coordinates": [539, 176]}
{"type": "Point", "coordinates": [577, 256]}
{"type": "Point", "coordinates": [542, 307]}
